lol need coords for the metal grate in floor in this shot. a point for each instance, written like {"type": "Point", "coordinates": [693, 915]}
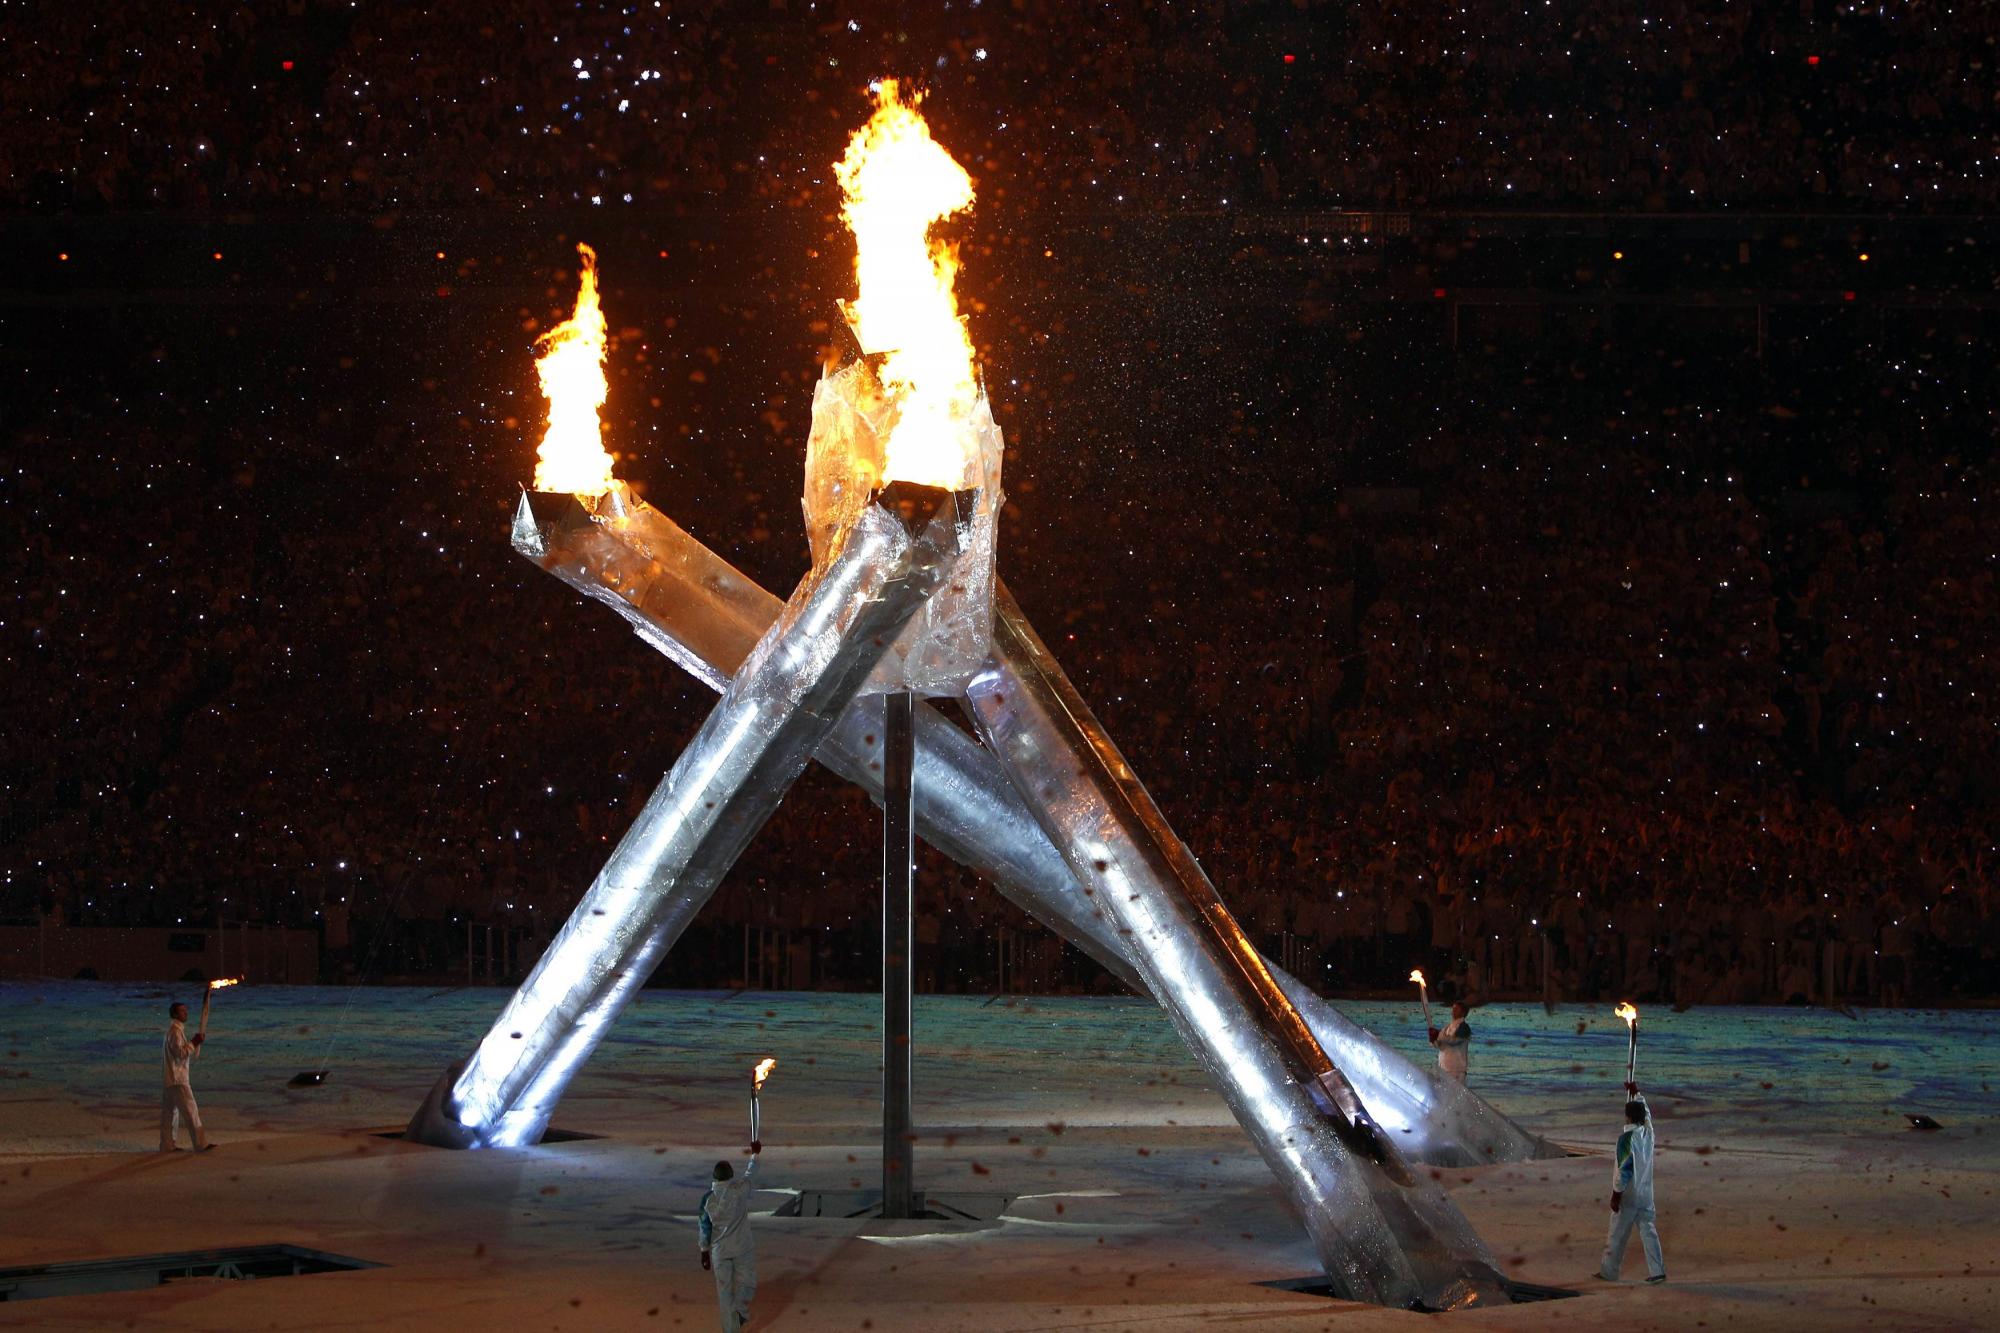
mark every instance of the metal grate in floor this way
{"type": "Point", "coordinates": [241, 1263]}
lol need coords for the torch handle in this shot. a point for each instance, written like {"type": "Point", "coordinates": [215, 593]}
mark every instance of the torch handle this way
{"type": "Point", "coordinates": [1429, 1022]}
{"type": "Point", "coordinates": [756, 1118]}
{"type": "Point", "coordinates": [1632, 1056]}
{"type": "Point", "coordinates": [206, 997]}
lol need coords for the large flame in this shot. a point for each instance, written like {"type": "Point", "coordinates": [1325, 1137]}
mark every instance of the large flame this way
{"type": "Point", "coordinates": [1416, 975]}
{"type": "Point", "coordinates": [220, 982]}
{"type": "Point", "coordinates": [571, 366]}
{"type": "Point", "coordinates": [1627, 1012]}
{"type": "Point", "coordinates": [897, 183]}
{"type": "Point", "coordinates": [763, 1071]}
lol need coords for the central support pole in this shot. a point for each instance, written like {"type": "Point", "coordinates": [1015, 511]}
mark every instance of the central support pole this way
{"type": "Point", "coordinates": [899, 754]}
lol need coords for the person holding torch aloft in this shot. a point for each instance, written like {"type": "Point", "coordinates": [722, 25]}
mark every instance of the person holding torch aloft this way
{"type": "Point", "coordinates": [1632, 1173]}
{"type": "Point", "coordinates": [176, 1096]}
{"type": "Point", "coordinates": [726, 1247]}
{"type": "Point", "coordinates": [1454, 1043]}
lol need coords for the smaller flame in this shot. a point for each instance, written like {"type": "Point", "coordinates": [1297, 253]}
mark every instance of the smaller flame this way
{"type": "Point", "coordinates": [220, 982]}
{"type": "Point", "coordinates": [572, 456]}
{"type": "Point", "coordinates": [1627, 1012]}
{"type": "Point", "coordinates": [1417, 975]}
{"type": "Point", "coordinates": [763, 1071]}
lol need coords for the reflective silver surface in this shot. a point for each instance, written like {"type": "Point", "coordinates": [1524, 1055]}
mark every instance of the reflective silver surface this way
{"type": "Point", "coordinates": [845, 456]}
{"type": "Point", "coordinates": [778, 707]}
{"type": "Point", "coordinates": [1384, 1233]}
{"type": "Point", "coordinates": [697, 609]}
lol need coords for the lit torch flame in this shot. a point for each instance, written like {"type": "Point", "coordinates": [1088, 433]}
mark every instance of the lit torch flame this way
{"type": "Point", "coordinates": [897, 182]}
{"type": "Point", "coordinates": [1417, 975]}
{"type": "Point", "coordinates": [762, 1072]}
{"type": "Point", "coordinates": [1627, 1012]}
{"type": "Point", "coordinates": [571, 367]}
{"type": "Point", "coordinates": [220, 982]}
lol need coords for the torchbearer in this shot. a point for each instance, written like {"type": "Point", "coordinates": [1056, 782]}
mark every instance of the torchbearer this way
{"type": "Point", "coordinates": [1632, 1170]}
{"type": "Point", "coordinates": [176, 1095]}
{"type": "Point", "coordinates": [727, 1248]}
{"type": "Point", "coordinates": [1454, 1043]}
{"type": "Point", "coordinates": [1632, 1193]}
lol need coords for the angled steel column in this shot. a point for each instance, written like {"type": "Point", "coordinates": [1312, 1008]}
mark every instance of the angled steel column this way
{"type": "Point", "coordinates": [1384, 1233]}
{"type": "Point", "coordinates": [702, 613]}
{"type": "Point", "coordinates": [898, 891]}
{"type": "Point", "coordinates": [777, 710]}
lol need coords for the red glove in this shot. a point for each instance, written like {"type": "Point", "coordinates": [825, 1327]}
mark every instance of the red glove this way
{"type": "Point", "coordinates": [1631, 1089]}
{"type": "Point", "coordinates": [704, 1261]}
{"type": "Point", "coordinates": [1617, 1197]}
{"type": "Point", "coordinates": [198, 1038]}
{"type": "Point", "coordinates": [756, 1146]}
{"type": "Point", "coordinates": [1434, 1036]}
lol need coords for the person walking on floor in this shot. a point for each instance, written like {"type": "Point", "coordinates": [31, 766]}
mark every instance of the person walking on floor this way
{"type": "Point", "coordinates": [726, 1248]}
{"type": "Point", "coordinates": [1454, 1043]}
{"type": "Point", "coordinates": [176, 1097]}
{"type": "Point", "coordinates": [1632, 1194]}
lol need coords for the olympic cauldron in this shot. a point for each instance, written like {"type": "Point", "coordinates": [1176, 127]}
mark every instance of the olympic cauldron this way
{"type": "Point", "coordinates": [902, 499]}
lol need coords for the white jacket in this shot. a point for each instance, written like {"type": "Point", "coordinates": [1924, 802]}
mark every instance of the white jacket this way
{"type": "Point", "coordinates": [1632, 1165]}
{"type": "Point", "coordinates": [725, 1215]}
{"type": "Point", "coordinates": [1454, 1045]}
{"type": "Point", "coordinates": [178, 1050]}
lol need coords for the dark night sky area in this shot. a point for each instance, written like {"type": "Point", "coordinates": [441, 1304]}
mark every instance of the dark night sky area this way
{"type": "Point", "coordinates": [1604, 550]}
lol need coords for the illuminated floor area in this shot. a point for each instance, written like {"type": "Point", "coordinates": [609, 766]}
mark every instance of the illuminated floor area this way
{"type": "Point", "coordinates": [1793, 1195]}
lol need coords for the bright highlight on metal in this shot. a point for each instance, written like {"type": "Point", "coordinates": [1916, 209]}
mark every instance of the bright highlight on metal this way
{"type": "Point", "coordinates": [1385, 1234]}
{"type": "Point", "coordinates": [777, 709]}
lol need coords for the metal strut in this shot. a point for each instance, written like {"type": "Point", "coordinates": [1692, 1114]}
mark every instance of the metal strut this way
{"type": "Point", "coordinates": [898, 894]}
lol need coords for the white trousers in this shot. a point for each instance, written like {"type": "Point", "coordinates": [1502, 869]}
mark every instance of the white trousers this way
{"type": "Point", "coordinates": [176, 1105]}
{"type": "Point", "coordinates": [1639, 1215]}
{"type": "Point", "coordinates": [735, 1286]}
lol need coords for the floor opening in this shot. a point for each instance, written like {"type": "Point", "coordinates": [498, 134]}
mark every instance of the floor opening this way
{"type": "Point", "coordinates": [241, 1264]}
{"type": "Point", "coordinates": [548, 1136]}
{"type": "Point", "coordinates": [953, 1207]}
{"type": "Point", "coordinates": [1520, 1293]}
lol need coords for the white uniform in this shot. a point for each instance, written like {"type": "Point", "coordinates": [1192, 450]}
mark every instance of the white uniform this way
{"type": "Point", "coordinates": [725, 1234]}
{"type": "Point", "coordinates": [176, 1097]}
{"type": "Point", "coordinates": [1454, 1043]}
{"type": "Point", "coordinates": [1632, 1176]}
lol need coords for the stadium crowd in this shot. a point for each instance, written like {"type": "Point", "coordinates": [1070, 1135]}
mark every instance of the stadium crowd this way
{"type": "Point", "coordinates": [1577, 663]}
{"type": "Point", "coordinates": [1642, 104]}
{"type": "Point", "coordinates": [1573, 672]}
